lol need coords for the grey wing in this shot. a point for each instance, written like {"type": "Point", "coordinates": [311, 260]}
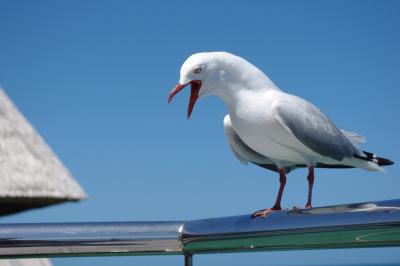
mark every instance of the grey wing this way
{"type": "Point", "coordinates": [311, 127]}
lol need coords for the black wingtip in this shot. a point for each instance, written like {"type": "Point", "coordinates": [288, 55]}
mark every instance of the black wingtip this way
{"type": "Point", "coordinates": [384, 162]}
{"type": "Point", "coordinates": [372, 158]}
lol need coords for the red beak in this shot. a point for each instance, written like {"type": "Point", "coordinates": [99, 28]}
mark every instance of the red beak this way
{"type": "Point", "coordinates": [195, 86]}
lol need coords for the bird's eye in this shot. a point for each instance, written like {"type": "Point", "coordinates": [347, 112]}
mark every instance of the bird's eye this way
{"type": "Point", "coordinates": [197, 70]}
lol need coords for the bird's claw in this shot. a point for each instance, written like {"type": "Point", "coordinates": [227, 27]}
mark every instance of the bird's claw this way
{"type": "Point", "coordinates": [296, 208]}
{"type": "Point", "coordinates": [264, 213]}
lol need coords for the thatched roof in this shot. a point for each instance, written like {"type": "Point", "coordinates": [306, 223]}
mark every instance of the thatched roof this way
{"type": "Point", "coordinates": [31, 175]}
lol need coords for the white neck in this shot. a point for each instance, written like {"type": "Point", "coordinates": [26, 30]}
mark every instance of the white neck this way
{"type": "Point", "coordinates": [230, 77]}
{"type": "Point", "coordinates": [238, 82]}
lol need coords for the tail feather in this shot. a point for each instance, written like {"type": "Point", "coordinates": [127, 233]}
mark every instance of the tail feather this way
{"type": "Point", "coordinates": [354, 137]}
{"type": "Point", "coordinates": [366, 160]}
{"type": "Point", "coordinates": [371, 157]}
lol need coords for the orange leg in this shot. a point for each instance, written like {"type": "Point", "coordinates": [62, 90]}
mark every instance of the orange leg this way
{"type": "Point", "coordinates": [277, 205]}
{"type": "Point", "coordinates": [310, 179]}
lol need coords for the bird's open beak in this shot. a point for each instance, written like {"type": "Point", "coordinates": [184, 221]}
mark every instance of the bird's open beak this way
{"type": "Point", "coordinates": [195, 86]}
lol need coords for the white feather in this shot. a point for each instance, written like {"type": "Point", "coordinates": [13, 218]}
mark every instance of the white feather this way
{"type": "Point", "coordinates": [354, 137]}
{"type": "Point", "coordinates": [277, 126]}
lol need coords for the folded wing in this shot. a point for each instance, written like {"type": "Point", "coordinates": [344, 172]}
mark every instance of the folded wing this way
{"type": "Point", "coordinates": [312, 128]}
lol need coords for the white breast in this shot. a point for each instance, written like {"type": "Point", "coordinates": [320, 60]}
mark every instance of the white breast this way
{"type": "Point", "coordinates": [253, 121]}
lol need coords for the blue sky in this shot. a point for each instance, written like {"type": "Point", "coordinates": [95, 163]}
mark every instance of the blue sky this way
{"type": "Point", "coordinates": [93, 78]}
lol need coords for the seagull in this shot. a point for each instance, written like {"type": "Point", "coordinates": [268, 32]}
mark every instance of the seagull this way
{"type": "Point", "coordinates": [268, 127]}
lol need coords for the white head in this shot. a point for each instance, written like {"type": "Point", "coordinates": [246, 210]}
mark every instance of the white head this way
{"type": "Point", "coordinates": [218, 73]}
